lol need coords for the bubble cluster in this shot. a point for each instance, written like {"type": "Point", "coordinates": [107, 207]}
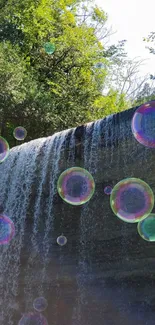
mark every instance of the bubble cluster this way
{"type": "Point", "coordinates": [33, 319]}
{"type": "Point", "coordinates": [20, 133]}
{"type": "Point", "coordinates": [143, 124]}
{"type": "Point", "coordinates": [4, 149]}
{"type": "Point", "coordinates": [132, 200]}
{"type": "Point", "coordinates": [146, 228]}
{"type": "Point", "coordinates": [7, 230]}
{"type": "Point", "coordinates": [40, 304]}
{"type": "Point", "coordinates": [108, 190]}
{"type": "Point", "coordinates": [76, 186]}
{"type": "Point", "coordinates": [61, 240]}
{"type": "Point", "coordinates": [49, 48]}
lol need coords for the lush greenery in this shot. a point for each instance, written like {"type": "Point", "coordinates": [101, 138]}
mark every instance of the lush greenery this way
{"type": "Point", "coordinates": [45, 92]}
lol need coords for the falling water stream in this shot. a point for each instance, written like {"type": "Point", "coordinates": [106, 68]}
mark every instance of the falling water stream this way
{"type": "Point", "coordinates": [32, 264]}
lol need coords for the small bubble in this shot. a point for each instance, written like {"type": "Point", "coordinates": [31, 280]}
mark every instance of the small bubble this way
{"type": "Point", "coordinates": [108, 190]}
{"type": "Point", "coordinates": [49, 48]}
{"type": "Point", "coordinates": [61, 240]}
{"type": "Point", "coordinates": [20, 133]}
{"type": "Point", "coordinates": [40, 304]}
{"type": "Point", "coordinates": [99, 65]}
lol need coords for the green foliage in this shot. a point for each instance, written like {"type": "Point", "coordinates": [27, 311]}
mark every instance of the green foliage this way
{"type": "Point", "coordinates": [98, 15]}
{"type": "Point", "coordinates": [147, 94]}
{"type": "Point", "coordinates": [13, 74]}
{"type": "Point", "coordinates": [106, 105]}
{"type": "Point", "coordinates": [47, 93]}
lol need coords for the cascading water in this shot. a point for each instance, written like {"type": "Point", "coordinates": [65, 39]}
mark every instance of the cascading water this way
{"type": "Point", "coordinates": [86, 221]}
{"type": "Point", "coordinates": [78, 279]}
{"type": "Point", "coordinates": [29, 164]}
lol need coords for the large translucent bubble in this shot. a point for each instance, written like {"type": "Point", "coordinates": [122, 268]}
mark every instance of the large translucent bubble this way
{"type": "Point", "coordinates": [146, 228]}
{"type": "Point", "coordinates": [33, 319]}
{"type": "Point", "coordinates": [7, 230]}
{"type": "Point", "coordinates": [76, 186]}
{"type": "Point", "coordinates": [132, 200]}
{"type": "Point", "coordinates": [4, 149]}
{"type": "Point", "coordinates": [143, 124]}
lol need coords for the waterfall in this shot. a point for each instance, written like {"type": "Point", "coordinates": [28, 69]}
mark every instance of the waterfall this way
{"type": "Point", "coordinates": [30, 165]}
{"type": "Point", "coordinates": [17, 174]}
{"type": "Point", "coordinates": [87, 219]}
{"type": "Point", "coordinates": [99, 251]}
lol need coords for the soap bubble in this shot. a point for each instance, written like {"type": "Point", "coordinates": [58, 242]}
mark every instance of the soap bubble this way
{"type": "Point", "coordinates": [99, 65]}
{"type": "Point", "coordinates": [143, 124]}
{"type": "Point", "coordinates": [108, 190]}
{"type": "Point", "coordinates": [20, 133]}
{"type": "Point", "coordinates": [40, 304]}
{"type": "Point", "coordinates": [49, 48]}
{"type": "Point", "coordinates": [61, 240]}
{"type": "Point", "coordinates": [7, 229]}
{"type": "Point", "coordinates": [76, 186]}
{"type": "Point", "coordinates": [4, 149]}
{"type": "Point", "coordinates": [146, 228]}
{"type": "Point", "coordinates": [132, 200]}
{"type": "Point", "coordinates": [33, 319]}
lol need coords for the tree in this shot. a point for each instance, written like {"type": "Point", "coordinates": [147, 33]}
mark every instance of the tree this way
{"type": "Point", "coordinates": [107, 104]}
{"type": "Point", "coordinates": [47, 93]}
{"type": "Point", "coordinates": [146, 94]}
{"type": "Point", "coordinates": [123, 73]}
{"type": "Point", "coordinates": [16, 84]}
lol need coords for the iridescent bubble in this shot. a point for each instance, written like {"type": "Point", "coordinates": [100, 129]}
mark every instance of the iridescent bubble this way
{"type": "Point", "coordinates": [61, 240]}
{"type": "Point", "coordinates": [76, 186]}
{"type": "Point", "coordinates": [143, 124]}
{"type": "Point", "coordinates": [146, 228]}
{"type": "Point", "coordinates": [7, 230]}
{"type": "Point", "coordinates": [49, 48]}
{"type": "Point", "coordinates": [132, 200]}
{"type": "Point", "coordinates": [4, 149]}
{"type": "Point", "coordinates": [20, 133]}
{"type": "Point", "coordinates": [108, 190]}
{"type": "Point", "coordinates": [33, 319]}
{"type": "Point", "coordinates": [40, 304]}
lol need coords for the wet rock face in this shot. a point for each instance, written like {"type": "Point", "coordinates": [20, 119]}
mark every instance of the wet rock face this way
{"type": "Point", "coordinates": [104, 274]}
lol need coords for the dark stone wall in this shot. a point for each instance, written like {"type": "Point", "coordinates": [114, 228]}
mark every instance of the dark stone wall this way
{"type": "Point", "coordinates": [105, 273]}
{"type": "Point", "coordinates": [118, 264]}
